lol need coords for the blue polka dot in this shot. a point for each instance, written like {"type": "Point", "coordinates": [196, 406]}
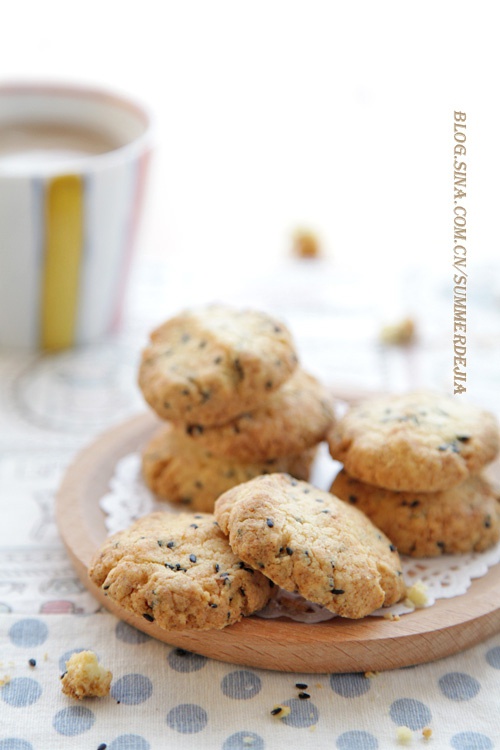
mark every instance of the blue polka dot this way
{"type": "Point", "coordinates": [185, 661]}
{"type": "Point", "coordinates": [241, 685]}
{"type": "Point", "coordinates": [12, 743]}
{"type": "Point", "coordinates": [187, 718]}
{"type": "Point", "coordinates": [126, 633]}
{"type": "Point", "coordinates": [458, 686]}
{"type": "Point", "coordinates": [407, 712]}
{"type": "Point", "coordinates": [302, 713]}
{"type": "Point", "coordinates": [132, 689]}
{"type": "Point", "coordinates": [129, 742]}
{"type": "Point", "coordinates": [21, 691]}
{"type": "Point", "coordinates": [350, 685]}
{"type": "Point", "coordinates": [28, 633]}
{"type": "Point", "coordinates": [66, 656]}
{"type": "Point", "coordinates": [73, 720]}
{"type": "Point", "coordinates": [493, 657]}
{"type": "Point", "coordinates": [357, 740]}
{"type": "Point", "coordinates": [244, 741]}
{"type": "Point", "coordinates": [471, 741]}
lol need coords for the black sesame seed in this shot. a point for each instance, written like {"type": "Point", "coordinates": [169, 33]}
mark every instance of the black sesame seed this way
{"type": "Point", "coordinates": [393, 548]}
{"type": "Point", "coordinates": [192, 558]}
{"type": "Point", "coordinates": [269, 385]}
{"type": "Point", "coordinates": [148, 617]}
{"type": "Point", "coordinates": [32, 662]}
{"type": "Point", "coordinates": [170, 545]}
{"type": "Point", "coordinates": [217, 360]}
{"type": "Point", "coordinates": [353, 499]}
{"type": "Point", "coordinates": [214, 606]}
{"type": "Point", "coordinates": [185, 392]}
{"type": "Point", "coordinates": [414, 503]}
{"type": "Point", "coordinates": [217, 567]}
{"type": "Point", "coordinates": [276, 711]}
{"type": "Point", "coordinates": [463, 438]}
{"type": "Point", "coordinates": [105, 588]}
{"type": "Point", "coordinates": [441, 545]}
{"type": "Point", "coordinates": [289, 551]}
{"type": "Point", "coordinates": [246, 568]}
{"type": "Point", "coordinates": [239, 369]}
{"type": "Point", "coordinates": [304, 696]}
{"type": "Point", "coordinates": [181, 652]}
{"type": "Point", "coordinates": [64, 674]}
{"type": "Point", "coordinates": [337, 591]}
{"type": "Point", "coordinates": [194, 429]}
{"type": "Point", "coordinates": [325, 511]}
{"type": "Point", "coordinates": [270, 522]}
{"type": "Point", "coordinates": [487, 522]}
{"type": "Point", "coordinates": [301, 685]}
{"type": "Point", "coordinates": [193, 525]}
{"type": "Point", "coordinates": [102, 746]}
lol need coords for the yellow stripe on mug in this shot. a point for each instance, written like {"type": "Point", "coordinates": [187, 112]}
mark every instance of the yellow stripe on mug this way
{"type": "Point", "coordinates": [62, 259]}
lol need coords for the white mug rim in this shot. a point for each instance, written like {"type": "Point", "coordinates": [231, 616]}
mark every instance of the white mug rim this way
{"type": "Point", "coordinates": [91, 162]}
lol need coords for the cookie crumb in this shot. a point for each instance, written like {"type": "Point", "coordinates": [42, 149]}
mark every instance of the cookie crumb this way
{"type": "Point", "coordinates": [391, 616]}
{"type": "Point", "coordinates": [401, 333]}
{"type": "Point", "coordinates": [306, 244]}
{"type": "Point", "coordinates": [248, 740]}
{"type": "Point", "coordinates": [85, 678]}
{"type": "Point", "coordinates": [4, 680]}
{"type": "Point", "coordinates": [427, 733]}
{"type": "Point", "coordinates": [404, 735]}
{"type": "Point", "coordinates": [416, 595]}
{"type": "Point", "coordinates": [280, 711]}
{"type": "Point", "coordinates": [370, 675]}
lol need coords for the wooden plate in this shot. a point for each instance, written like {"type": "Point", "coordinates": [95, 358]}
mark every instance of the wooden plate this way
{"type": "Point", "coordinates": [338, 645]}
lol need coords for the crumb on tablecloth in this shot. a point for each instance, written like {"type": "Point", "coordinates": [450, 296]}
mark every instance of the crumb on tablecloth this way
{"type": "Point", "coordinates": [85, 677]}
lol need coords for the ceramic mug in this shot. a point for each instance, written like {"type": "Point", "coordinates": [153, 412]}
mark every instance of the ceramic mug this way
{"type": "Point", "coordinates": [73, 165]}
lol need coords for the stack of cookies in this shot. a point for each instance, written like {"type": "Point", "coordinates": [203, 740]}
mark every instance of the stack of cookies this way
{"type": "Point", "coordinates": [233, 401]}
{"type": "Point", "coordinates": [412, 464]}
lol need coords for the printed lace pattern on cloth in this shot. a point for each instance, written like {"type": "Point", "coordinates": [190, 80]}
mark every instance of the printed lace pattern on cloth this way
{"type": "Point", "coordinates": [444, 577]}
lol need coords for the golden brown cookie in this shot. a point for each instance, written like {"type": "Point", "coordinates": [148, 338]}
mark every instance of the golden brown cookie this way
{"type": "Point", "coordinates": [414, 442]}
{"type": "Point", "coordinates": [176, 470]}
{"type": "Point", "coordinates": [307, 541]}
{"type": "Point", "coordinates": [294, 418]}
{"type": "Point", "coordinates": [208, 365]}
{"type": "Point", "coordinates": [465, 518]}
{"type": "Point", "coordinates": [179, 572]}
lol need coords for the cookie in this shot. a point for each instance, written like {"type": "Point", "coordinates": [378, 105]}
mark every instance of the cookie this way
{"type": "Point", "coordinates": [309, 542]}
{"type": "Point", "coordinates": [179, 572]}
{"type": "Point", "coordinates": [295, 417]}
{"type": "Point", "coordinates": [208, 365]}
{"type": "Point", "coordinates": [414, 442]}
{"type": "Point", "coordinates": [176, 471]}
{"type": "Point", "coordinates": [465, 518]}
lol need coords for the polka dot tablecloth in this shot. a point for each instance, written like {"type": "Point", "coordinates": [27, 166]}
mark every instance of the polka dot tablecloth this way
{"type": "Point", "coordinates": [165, 697]}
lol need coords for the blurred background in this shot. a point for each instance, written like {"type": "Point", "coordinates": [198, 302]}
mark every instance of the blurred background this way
{"type": "Point", "coordinates": [283, 116]}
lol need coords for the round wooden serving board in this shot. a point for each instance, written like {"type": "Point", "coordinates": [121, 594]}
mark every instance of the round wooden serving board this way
{"type": "Point", "coordinates": [338, 645]}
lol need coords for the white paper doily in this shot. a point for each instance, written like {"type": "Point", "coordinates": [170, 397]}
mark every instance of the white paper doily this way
{"type": "Point", "coordinates": [444, 577]}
